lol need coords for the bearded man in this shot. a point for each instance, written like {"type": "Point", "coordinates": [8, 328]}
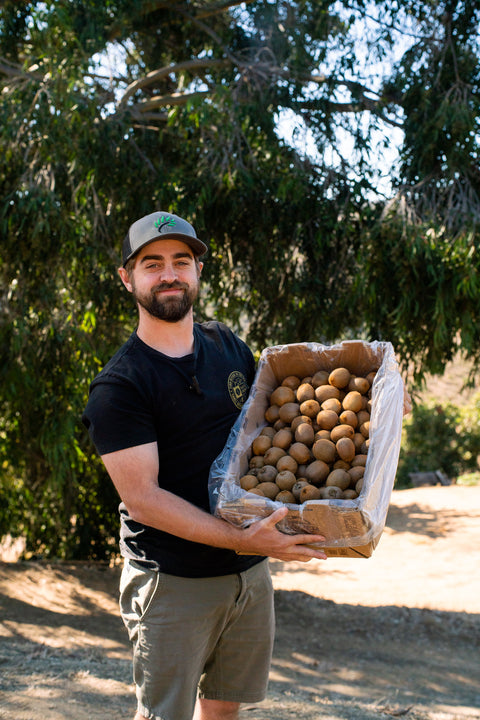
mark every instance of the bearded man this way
{"type": "Point", "coordinates": [195, 594]}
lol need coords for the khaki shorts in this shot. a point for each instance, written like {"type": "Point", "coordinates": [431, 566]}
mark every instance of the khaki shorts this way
{"type": "Point", "coordinates": [207, 636]}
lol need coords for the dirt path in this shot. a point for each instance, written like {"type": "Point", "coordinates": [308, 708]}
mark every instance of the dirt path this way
{"type": "Point", "coordinates": [396, 635]}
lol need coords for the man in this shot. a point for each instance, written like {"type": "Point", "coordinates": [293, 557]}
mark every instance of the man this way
{"type": "Point", "coordinates": [195, 594]}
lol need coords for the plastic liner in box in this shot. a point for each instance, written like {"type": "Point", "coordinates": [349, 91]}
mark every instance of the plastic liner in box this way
{"type": "Point", "coordinates": [354, 523]}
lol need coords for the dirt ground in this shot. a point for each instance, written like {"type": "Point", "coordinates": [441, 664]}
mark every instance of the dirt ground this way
{"type": "Point", "coordinates": [396, 635]}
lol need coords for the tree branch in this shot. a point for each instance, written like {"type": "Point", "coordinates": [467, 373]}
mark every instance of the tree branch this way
{"type": "Point", "coordinates": [218, 9]}
{"type": "Point", "coordinates": [16, 71]}
{"type": "Point", "coordinates": [157, 75]}
{"type": "Point", "coordinates": [364, 103]}
{"type": "Point", "coordinates": [165, 100]}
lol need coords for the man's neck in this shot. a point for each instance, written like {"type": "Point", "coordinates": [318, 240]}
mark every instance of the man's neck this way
{"type": "Point", "coordinates": [172, 339]}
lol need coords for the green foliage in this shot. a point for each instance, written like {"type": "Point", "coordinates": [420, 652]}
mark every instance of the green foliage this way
{"type": "Point", "coordinates": [440, 437]}
{"type": "Point", "coordinates": [430, 279]}
{"type": "Point", "coordinates": [186, 119]}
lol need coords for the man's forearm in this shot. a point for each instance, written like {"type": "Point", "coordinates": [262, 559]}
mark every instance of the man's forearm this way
{"type": "Point", "coordinates": [172, 514]}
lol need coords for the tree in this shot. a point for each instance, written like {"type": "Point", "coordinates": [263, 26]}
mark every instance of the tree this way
{"type": "Point", "coordinates": [303, 245]}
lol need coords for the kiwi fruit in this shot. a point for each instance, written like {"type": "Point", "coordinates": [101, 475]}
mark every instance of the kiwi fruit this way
{"type": "Point", "coordinates": [300, 452]}
{"type": "Point", "coordinates": [287, 462]}
{"type": "Point", "coordinates": [309, 492]}
{"type": "Point", "coordinates": [315, 443]}
{"type": "Point", "coordinates": [340, 478]}
{"type": "Point", "coordinates": [352, 401]}
{"type": "Point", "coordinates": [285, 496]}
{"type": "Point", "coordinates": [324, 450]}
{"type": "Point", "coordinates": [323, 392]}
{"type": "Point", "coordinates": [261, 444]}
{"type": "Point", "coordinates": [283, 438]}
{"type": "Point", "coordinates": [285, 480]}
{"type": "Point", "coordinates": [305, 392]}
{"type": "Point", "coordinates": [269, 489]}
{"type": "Point", "coordinates": [292, 381]}
{"type": "Point", "coordinates": [305, 434]}
{"type": "Point", "coordinates": [282, 395]}
{"type": "Point", "coordinates": [247, 482]}
{"type": "Point", "coordinates": [267, 473]}
{"type": "Point", "coordinates": [340, 377]}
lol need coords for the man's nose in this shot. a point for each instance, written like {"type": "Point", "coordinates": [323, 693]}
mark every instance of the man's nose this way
{"type": "Point", "coordinates": [168, 273]}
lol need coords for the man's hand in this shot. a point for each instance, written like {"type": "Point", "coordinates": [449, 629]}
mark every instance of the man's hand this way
{"type": "Point", "coordinates": [263, 538]}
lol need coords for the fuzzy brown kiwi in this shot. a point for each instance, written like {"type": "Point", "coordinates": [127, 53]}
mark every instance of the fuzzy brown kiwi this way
{"type": "Point", "coordinates": [356, 472]}
{"type": "Point", "coordinates": [247, 482]}
{"type": "Point", "coordinates": [317, 471]}
{"type": "Point", "coordinates": [288, 412]}
{"type": "Point", "coordinates": [267, 473]}
{"type": "Point", "coordinates": [261, 444]}
{"type": "Point", "coordinates": [342, 431]}
{"type": "Point", "coordinates": [269, 489]}
{"type": "Point", "coordinates": [345, 449]}
{"type": "Point", "coordinates": [327, 419]}
{"type": "Point", "coordinates": [331, 492]}
{"type": "Point", "coordinates": [287, 462]}
{"type": "Point", "coordinates": [271, 414]}
{"type": "Point", "coordinates": [282, 395]}
{"type": "Point", "coordinates": [301, 482]}
{"type": "Point", "coordinates": [305, 434]}
{"type": "Point", "coordinates": [305, 392]}
{"type": "Point", "coordinates": [340, 478]}
{"type": "Point", "coordinates": [352, 401]}
{"type": "Point", "coordinates": [324, 450]}
{"type": "Point", "coordinates": [323, 392]}
{"type": "Point", "coordinates": [300, 453]}
{"type": "Point", "coordinates": [310, 408]}
{"type": "Point", "coordinates": [283, 438]}
{"type": "Point", "coordinates": [285, 496]}
{"type": "Point", "coordinates": [360, 384]}
{"type": "Point", "coordinates": [309, 492]}
{"type": "Point", "coordinates": [291, 381]}
{"type": "Point", "coordinates": [285, 480]}
{"type": "Point", "coordinates": [273, 455]}
{"type": "Point", "coordinates": [299, 420]}
{"type": "Point", "coordinates": [339, 377]}
{"type": "Point", "coordinates": [348, 417]}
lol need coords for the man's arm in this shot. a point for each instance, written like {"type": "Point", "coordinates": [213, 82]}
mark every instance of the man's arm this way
{"type": "Point", "coordinates": [134, 472]}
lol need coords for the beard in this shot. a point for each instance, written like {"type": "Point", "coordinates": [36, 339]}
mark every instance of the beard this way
{"type": "Point", "coordinates": [170, 309]}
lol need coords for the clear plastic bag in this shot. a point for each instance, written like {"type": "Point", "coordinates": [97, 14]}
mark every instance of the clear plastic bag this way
{"type": "Point", "coordinates": [351, 527]}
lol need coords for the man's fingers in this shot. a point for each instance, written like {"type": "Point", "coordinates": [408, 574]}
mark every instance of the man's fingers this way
{"type": "Point", "coordinates": [276, 516]}
{"type": "Point", "coordinates": [308, 539]}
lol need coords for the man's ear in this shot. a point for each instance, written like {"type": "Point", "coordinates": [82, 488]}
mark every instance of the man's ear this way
{"type": "Point", "coordinates": [125, 278]}
{"type": "Point", "coordinates": [200, 268]}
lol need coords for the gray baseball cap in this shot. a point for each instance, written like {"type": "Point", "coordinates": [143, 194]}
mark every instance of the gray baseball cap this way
{"type": "Point", "coordinates": [160, 226]}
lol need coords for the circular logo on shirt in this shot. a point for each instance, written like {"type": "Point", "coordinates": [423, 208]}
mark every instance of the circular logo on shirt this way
{"type": "Point", "coordinates": [238, 388]}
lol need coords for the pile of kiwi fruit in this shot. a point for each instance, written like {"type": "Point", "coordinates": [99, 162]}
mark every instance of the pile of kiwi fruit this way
{"type": "Point", "coordinates": [315, 443]}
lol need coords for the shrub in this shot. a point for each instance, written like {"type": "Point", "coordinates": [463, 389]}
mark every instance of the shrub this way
{"type": "Point", "coordinates": [440, 437]}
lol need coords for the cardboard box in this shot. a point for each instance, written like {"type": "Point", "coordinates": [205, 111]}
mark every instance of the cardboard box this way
{"type": "Point", "coordinates": [352, 528]}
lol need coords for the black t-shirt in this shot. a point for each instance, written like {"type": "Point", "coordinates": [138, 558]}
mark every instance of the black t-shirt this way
{"type": "Point", "coordinates": [188, 406]}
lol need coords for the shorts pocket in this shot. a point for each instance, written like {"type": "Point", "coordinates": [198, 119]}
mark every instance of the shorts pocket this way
{"type": "Point", "coordinates": [138, 586]}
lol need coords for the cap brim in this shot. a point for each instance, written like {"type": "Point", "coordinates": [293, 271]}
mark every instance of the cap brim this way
{"type": "Point", "coordinates": [198, 247]}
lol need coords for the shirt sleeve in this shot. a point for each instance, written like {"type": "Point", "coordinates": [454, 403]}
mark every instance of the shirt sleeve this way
{"type": "Point", "coordinates": [117, 417]}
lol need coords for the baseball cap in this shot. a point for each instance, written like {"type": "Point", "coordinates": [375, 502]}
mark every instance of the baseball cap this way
{"type": "Point", "coordinates": [160, 226]}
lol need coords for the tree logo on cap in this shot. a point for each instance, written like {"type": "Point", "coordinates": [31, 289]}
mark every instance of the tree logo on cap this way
{"type": "Point", "coordinates": [163, 221]}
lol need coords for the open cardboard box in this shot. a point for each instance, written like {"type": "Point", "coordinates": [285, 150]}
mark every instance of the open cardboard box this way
{"type": "Point", "coordinates": [352, 528]}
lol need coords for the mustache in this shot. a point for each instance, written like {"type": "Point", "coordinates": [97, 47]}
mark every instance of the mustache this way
{"type": "Point", "coordinates": [170, 286]}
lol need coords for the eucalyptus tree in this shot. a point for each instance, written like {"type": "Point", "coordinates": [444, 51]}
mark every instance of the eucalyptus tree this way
{"type": "Point", "coordinates": [110, 109]}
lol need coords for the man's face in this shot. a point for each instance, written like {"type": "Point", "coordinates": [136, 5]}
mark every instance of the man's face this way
{"type": "Point", "coordinates": [165, 279]}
